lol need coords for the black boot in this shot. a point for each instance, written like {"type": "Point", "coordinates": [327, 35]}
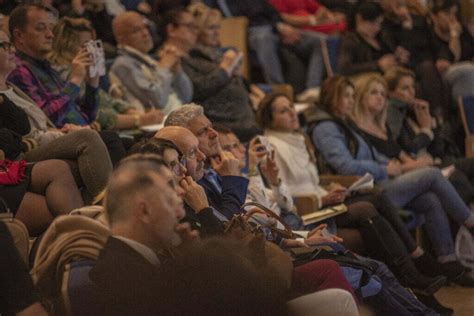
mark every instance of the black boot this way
{"type": "Point", "coordinates": [384, 244]}
{"type": "Point", "coordinates": [429, 266]}
{"type": "Point", "coordinates": [431, 302]}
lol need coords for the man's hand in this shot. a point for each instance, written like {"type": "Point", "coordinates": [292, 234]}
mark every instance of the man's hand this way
{"type": "Point", "coordinates": [289, 35]}
{"type": "Point", "coordinates": [151, 117]}
{"type": "Point", "coordinates": [195, 196]}
{"type": "Point", "coordinates": [316, 236]}
{"type": "Point", "coordinates": [226, 164]}
{"type": "Point", "coordinates": [80, 67]}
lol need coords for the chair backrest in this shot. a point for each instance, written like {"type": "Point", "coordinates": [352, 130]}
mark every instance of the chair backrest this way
{"type": "Point", "coordinates": [466, 111]}
{"type": "Point", "coordinates": [234, 34]}
{"type": "Point", "coordinates": [19, 233]}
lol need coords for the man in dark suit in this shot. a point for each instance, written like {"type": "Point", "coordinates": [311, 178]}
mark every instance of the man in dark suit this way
{"type": "Point", "coordinates": [144, 212]}
{"type": "Point", "coordinates": [225, 188]}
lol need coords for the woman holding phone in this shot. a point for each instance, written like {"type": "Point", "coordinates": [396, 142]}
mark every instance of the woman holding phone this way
{"type": "Point", "coordinates": [214, 71]}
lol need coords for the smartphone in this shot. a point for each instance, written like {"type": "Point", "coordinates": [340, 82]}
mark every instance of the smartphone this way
{"type": "Point", "coordinates": [236, 62]}
{"type": "Point", "coordinates": [264, 141]}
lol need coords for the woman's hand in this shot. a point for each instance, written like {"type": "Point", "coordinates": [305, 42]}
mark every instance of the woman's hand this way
{"type": "Point", "coordinates": [422, 113]}
{"type": "Point", "coordinates": [153, 116]}
{"type": "Point", "coordinates": [255, 153]}
{"type": "Point", "coordinates": [394, 168]}
{"type": "Point", "coordinates": [336, 196]}
{"type": "Point", "coordinates": [316, 236]}
{"type": "Point", "coordinates": [270, 169]}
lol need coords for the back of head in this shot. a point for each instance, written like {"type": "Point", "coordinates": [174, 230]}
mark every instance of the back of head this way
{"type": "Point", "coordinates": [182, 115]}
{"type": "Point", "coordinates": [132, 177]}
{"type": "Point", "coordinates": [219, 277]}
{"type": "Point", "coordinates": [154, 145]}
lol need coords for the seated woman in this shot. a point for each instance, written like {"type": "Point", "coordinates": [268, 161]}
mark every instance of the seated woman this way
{"type": "Point", "coordinates": [406, 123]}
{"type": "Point", "coordinates": [70, 36]}
{"type": "Point", "coordinates": [20, 115]}
{"type": "Point", "coordinates": [45, 190]}
{"type": "Point", "coordinates": [424, 191]}
{"type": "Point", "coordinates": [278, 117]}
{"type": "Point", "coordinates": [365, 48]}
{"type": "Point", "coordinates": [214, 71]}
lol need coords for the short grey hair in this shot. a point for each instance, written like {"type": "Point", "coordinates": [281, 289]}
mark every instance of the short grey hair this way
{"type": "Point", "coordinates": [182, 115]}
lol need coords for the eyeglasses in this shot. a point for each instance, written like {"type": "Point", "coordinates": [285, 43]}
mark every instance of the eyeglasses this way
{"type": "Point", "coordinates": [6, 46]}
{"type": "Point", "coordinates": [178, 168]}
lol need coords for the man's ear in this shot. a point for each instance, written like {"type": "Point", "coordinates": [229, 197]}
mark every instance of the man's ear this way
{"type": "Point", "coordinates": [142, 211]}
{"type": "Point", "coordinates": [17, 35]}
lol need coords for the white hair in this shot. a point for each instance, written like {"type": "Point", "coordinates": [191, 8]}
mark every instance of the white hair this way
{"type": "Point", "coordinates": [182, 115]}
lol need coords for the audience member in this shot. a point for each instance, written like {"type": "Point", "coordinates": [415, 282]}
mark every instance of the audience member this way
{"type": "Point", "coordinates": [277, 116]}
{"type": "Point", "coordinates": [31, 31]}
{"type": "Point", "coordinates": [424, 191]}
{"type": "Point", "coordinates": [218, 86]}
{"type": "Point", "coordinates": [44, 190]}
{"type": "Point", "coordinates": [70, 35]}
{"type": "Point", "coordinates": [155, 84]}
{"type": "Point", "coordinates": [409, 123]}
{"type": "Point", "coordinates": [22, 116]}
{"type": "Point", "coordinates": [453, 46]}
{"type": "Point", "coordinates": [267, 31]}
{"type": "Point", "coordinates": [187, 168]}
{"type": "Point", "coordinates": [366, 48]}
{"type": "Point", "coordinates": [144, 212]}
{"type": "Point", "coordinates": [225, 188]}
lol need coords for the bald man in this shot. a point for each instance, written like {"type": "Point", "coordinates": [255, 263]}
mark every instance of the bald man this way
{"type": "Point", "coordinates": [203, 218]}
{"type": "Point", "coordinates": [225, 189]}
{"type": "Point", "coordinates": [154, 84]}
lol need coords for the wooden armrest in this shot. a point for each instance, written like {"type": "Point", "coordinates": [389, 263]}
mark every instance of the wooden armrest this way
{"type": "Point", "coordinates": [306, 204]}
{"type": "Point", "coordinates": [346, 181]}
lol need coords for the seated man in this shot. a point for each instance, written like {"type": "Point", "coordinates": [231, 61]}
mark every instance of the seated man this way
{"type": "Point", "coordinates": [31, 33]}
{"type": "Point", "coordinates": [155, 84]}
{"type": "Point", "coordinates": [144, 212]}
{"type": "Point", "coordinates": [226, 189]}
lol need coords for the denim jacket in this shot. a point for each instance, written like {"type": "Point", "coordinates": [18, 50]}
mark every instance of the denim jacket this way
{"type": "Point", "coordinates": [331, 142]}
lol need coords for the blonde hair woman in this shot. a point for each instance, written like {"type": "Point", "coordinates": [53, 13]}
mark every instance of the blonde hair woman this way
{"type": "Point", "coordinates": [70, 35]}
{"type": "Point", "coordinates": [370, 116]}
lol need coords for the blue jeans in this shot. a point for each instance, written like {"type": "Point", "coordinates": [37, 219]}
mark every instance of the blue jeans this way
{"type": "Point", "coordinates": [427, 191]}
{"type": "Point", "coordinates": [265, 43]}
{"type": "Point", "coordinates": [394, 299]}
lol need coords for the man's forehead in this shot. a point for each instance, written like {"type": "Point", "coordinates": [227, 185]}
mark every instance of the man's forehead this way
{"type": "Point", "coordinates": [36, 15]}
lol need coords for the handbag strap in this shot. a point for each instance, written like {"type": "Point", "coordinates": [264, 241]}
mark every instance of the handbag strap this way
{"type": "Point", "coordinates": [286, 232]}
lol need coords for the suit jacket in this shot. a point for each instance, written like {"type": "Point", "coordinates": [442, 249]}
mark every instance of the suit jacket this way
{"type": "Point", "coordinates": [126, 283]}
{"type": "Point", "coordinates": [232, 195]}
